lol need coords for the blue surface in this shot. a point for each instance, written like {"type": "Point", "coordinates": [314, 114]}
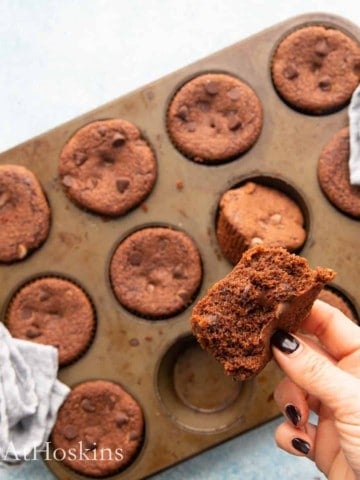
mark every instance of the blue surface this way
{"type": "Point", "coordinates": [61, 59]}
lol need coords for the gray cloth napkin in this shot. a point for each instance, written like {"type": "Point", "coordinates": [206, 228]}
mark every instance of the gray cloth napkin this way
{"type": "Point", "coordinates": [354, 121]}
{"type": "Point", "coordinates": [30, 396]}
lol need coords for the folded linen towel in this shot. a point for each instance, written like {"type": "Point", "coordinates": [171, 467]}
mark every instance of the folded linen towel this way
{"type": "Point", "coordinates": [30, 396]}
{"type": "Point", "coordinates": [354, 121]}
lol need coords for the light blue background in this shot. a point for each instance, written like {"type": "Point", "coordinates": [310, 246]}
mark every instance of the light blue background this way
{"type": "Point", "coordinates": [60, 59]}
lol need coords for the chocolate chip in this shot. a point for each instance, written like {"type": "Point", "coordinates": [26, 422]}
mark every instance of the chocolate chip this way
{"type": "Point", "coordinates": [234, 93]}
{"type": "Point", "coordinates": [322, 48]}
{"type": "Point", "coordinates": [70, 432]}
{"type": "Point", "coordinates": [203, 105]}
{"type": "Point", "coordinates": [112, 401]}
{"type": "Point", "coordinates": [184, 295]}
{"type": "Point", "coordinates": [87, 405]}
{"type": "Point", "coordinates": [134, 342]}
{"type": "Point", "coordinates": [80, 158]}
{"type": "Point", "coordinates": [106, 156]}
{"type": "Point", "coordinates": [90, 443]}
{"type": "Point", "coordinates": [183, 113]}
{"type": "Point", "coordinates": [234, 123]}
{"type": "Point", "coordinates": [211, 87]}
{"type": "Point", "coordinates": [4, 198]}
{"type": "Point", "coordinates": [121, 419]}
{"type": "Point", "coordinates": [102, 130]}
{"type": "Point", "coordinates": [163, 243]}
{"type": "Point", "coordinates": [68, 180]}
{"type": "Point", "coordinates": [325, 84]}
{"type": "Point", "coordinates": [133, 435]}
{"type": "Point", "coordinates": [212, 122]}
{"type": "Point", "coordinates": [179, 272]}
{"type": "Point", "coordinates": [44, 296]}
{"type": "Point", "coordinates": [26, 313]}
{"type": "Point", "coordinates": [290, 72]}
{"type": "Point", "coordinates": [356, 68]}
{"type": "Point", "coordinates": [33, 332]}
{"type": "Point", "coordinates": [316, 64]}
{"type": "Point", "coordinates": [191, 126]}
{"type": "Point", "coordinates": [122, 184]}
{"type": "Point", "coordinates": [135, 258]}
{"type": "Point", "coordinates": [118, 140]}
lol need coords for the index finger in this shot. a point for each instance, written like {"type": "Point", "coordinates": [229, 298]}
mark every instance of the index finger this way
{"type": "Point", "coordinates": [339, 335]}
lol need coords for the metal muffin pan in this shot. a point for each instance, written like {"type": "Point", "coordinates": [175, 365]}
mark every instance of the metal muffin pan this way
{"type": "Point", "coordinates": [188, 404]}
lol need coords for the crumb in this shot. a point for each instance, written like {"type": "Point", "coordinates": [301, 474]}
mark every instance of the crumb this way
{"type": "Point", "coordinates": [144, 207]}
{"type": "Point", "coordinates": [179, 184]}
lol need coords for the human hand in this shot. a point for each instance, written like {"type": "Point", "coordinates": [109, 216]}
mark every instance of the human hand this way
{"type": "Point", "coordinates": [323, 375]}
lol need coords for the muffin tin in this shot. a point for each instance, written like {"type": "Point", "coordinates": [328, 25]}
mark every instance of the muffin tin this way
{"type": "Point", "coordinates": [188, 404]}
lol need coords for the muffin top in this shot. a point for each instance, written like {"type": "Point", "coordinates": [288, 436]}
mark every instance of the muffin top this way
{"type": "Point", "coordinates": [24, 213]}
{"type": "Point", "coordinates": [107, 167]}
{"type": "Point", "coordinates": [53, 311]}
{"type": "Point", "coordinates": [316, 69]}
{"type": "Point", "coordinates": [214, 118]}
{"type": "Point", "coordinates": [155, 272]}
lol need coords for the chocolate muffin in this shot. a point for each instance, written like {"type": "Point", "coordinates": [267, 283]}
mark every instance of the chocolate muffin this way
{"type": "Point", "coordinates": [107, 167]}
{"type": "Point", "coordinates": [334, 177]}
{"type": "Point", "coordinates": [156, 272]}
{"type": "Point", "coordinates": [268, 289]}
{"type": "Point", "coordinates": [254, 214]}
{"type": "Point", "coordinates": [336, 300]}
{"type": "Point", "coordinates": [24, 213]}
{"type": "Point", "coordinates": [214, 118]}
{"type": "Point", "coordinates": [53, 311]}
{"type": "Point", "coordinates": [100, 428]}
{"type": "Point", "coordinates": [315, 69]}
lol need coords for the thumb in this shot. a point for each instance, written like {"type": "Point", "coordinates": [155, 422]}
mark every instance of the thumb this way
{"type": "Point", "coordinates": [317, 375]}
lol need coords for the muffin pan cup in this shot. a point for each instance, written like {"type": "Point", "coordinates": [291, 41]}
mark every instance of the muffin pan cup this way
{"type": "Point", "coordinates": [135, 352]}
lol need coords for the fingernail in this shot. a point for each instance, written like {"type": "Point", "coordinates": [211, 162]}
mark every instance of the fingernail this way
{"type": "Point", "coordinates": [300, 445]}
{"type": "Point", "coordinates": [284, 341]}
{"type": "Point", "coordinates": [292, 414]}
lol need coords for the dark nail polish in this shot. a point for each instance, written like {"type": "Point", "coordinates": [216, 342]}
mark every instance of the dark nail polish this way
{"type": "Point", "coordinates": [292, 414]}
{"type": "Point", "coordinates": [301, 445]}
{"type": "Point", "coordinates": [284, 341]}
